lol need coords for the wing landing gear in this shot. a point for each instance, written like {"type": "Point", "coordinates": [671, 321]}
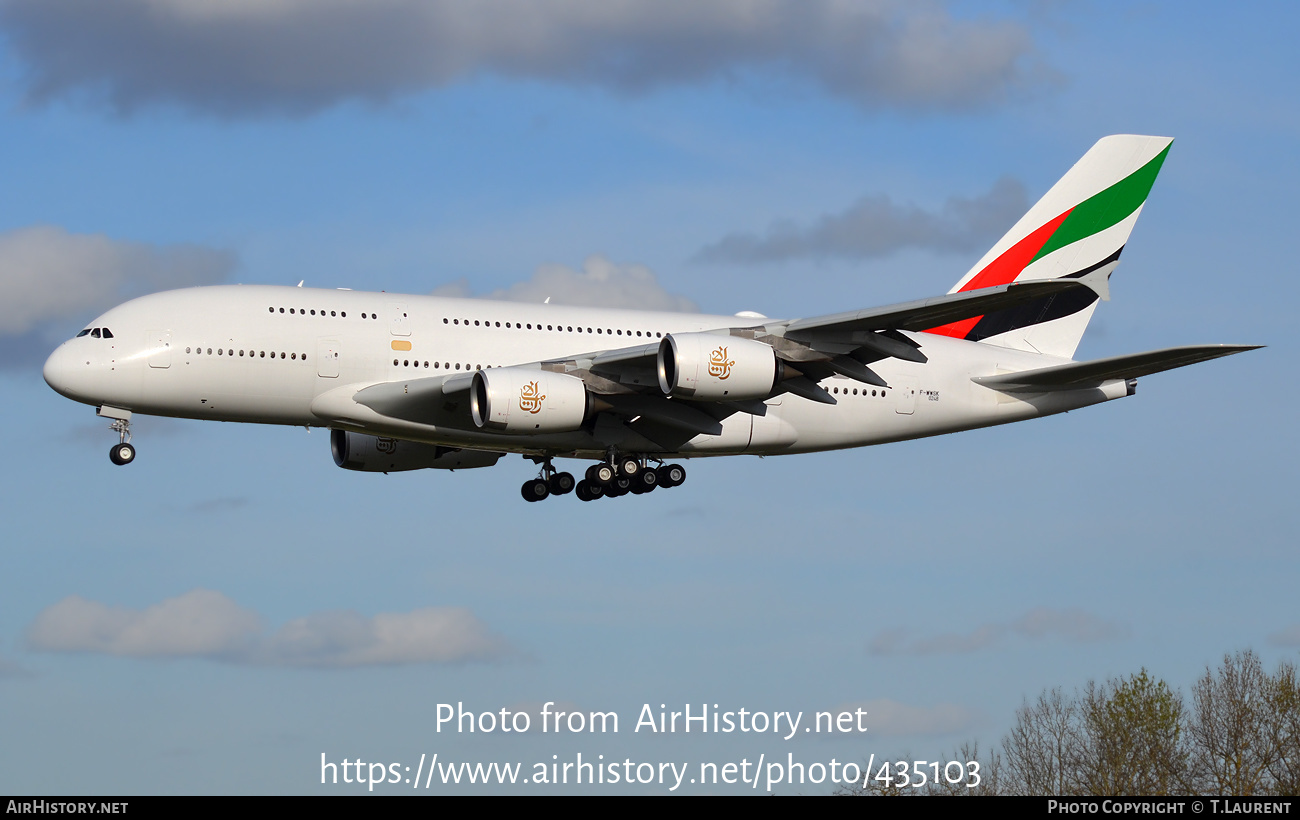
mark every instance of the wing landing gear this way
{"type": "Point", "coordinates": [547, 483]}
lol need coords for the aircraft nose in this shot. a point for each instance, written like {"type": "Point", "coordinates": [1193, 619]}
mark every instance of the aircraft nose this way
{"type": "Point", "coordinates": [59, 371]}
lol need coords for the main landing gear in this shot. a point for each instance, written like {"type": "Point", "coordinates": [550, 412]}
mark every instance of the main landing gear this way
{"type": "Point", "coordinates": [547, 483]}
{"type": "Point", "coordinates": [122, 453]}
{"type": "Point", "coordinates": [606, 479]}
{"type": "Point", "coordinates": [625, 475]}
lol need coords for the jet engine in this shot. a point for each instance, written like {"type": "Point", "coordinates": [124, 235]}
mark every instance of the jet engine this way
{"type": "Point", "coordinates": [708, 367]}
{"type": "Point", "coordinates": [523, 400]}
{"type": "Point", "coordinates": [377, 454]}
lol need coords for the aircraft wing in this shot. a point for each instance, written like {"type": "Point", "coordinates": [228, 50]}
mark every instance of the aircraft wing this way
{"type": "Point", "coordinates": [1077, 375]}
{"type": "Point", "coordinates": [924, 314]}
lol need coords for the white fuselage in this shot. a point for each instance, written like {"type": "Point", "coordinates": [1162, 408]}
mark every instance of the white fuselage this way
{"type": "Point", "coordinates": [285, 355]}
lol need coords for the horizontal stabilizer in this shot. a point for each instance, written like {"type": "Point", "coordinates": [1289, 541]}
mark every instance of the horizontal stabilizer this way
{"type": "Point", "coordinates": [1079, 375]}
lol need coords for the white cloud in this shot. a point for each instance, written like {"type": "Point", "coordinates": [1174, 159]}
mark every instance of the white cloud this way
{"type": "Point", "coordinates": [430, 635]}
{"type": "Point", "coordinates": [1042, 623]}
{"type": "Point", "coordinates": [875, 226]}
{"type": "Point", "coordinates": [600, 283]}
{"type": "Point", "coordinates": [299, 56]}
{"type": "Point", "coordinates": [48, 274]}
{"type": "Point", "coordinates": [199, 623]}
{"type": "Point", "coordinates": [206, 624]}
{"type": "Point", "coordinates": [889, 717]}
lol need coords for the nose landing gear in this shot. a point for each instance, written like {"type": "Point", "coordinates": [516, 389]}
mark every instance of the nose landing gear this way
{"type": "Point", "coordinates": [122, 453]}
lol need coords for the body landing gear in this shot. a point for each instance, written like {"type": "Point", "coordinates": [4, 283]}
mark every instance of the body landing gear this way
{"type": "Point", "coordinates": [627, 474]}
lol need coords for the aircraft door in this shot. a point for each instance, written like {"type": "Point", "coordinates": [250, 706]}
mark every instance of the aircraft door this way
{"type": "Point", "coordinates": [160, 349]}
{"type": "Point", "coordinates": [905, 399]}
{"type": "Point", "coordinates": [400, 323]}
{"type": "Point", "coordinates": [327, 358]}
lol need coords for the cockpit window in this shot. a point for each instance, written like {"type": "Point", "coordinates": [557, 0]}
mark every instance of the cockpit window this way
{"type": "Point", "coordinates": [108, 334]}
{"type": "Point", "coordinates": [85, 332]}
{"type": "Point", "coordinates": [94, 334]}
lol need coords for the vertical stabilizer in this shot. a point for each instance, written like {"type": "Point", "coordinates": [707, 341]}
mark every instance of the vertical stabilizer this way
{"type": "Point", "coordinates": [1078, 227]}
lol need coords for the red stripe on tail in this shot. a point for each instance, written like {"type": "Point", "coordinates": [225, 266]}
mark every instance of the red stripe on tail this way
{"type": "Point", "coordinates": [1002, 271]}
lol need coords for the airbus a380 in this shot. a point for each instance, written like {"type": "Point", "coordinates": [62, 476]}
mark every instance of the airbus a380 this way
{"type": "Point", "coordinates": [413, 382]}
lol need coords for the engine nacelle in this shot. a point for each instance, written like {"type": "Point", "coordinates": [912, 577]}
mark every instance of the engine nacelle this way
{"type": "Point", "coordinates": [525, 401]}
{"type": "Point", "coordinates": [708, 367]}
{"type": "Point", "coordinates": [378, 454]}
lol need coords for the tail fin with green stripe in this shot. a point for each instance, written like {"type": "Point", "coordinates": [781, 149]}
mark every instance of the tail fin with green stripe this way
{"type": "Point", "coordinates": [1080, 226]}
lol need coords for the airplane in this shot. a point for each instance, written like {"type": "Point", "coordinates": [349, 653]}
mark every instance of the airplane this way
{"type": "Point", "coordinates": [407, 382]}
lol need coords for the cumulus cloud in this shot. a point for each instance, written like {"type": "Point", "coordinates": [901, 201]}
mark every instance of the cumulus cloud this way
{"type": "Point", "coordinates": [600, 283]}
{"type": "Point", "coordinates": [876, 226]}
{"type": "Point", "coordinates": [199, 623]}
{"type": "Point", "coordinates": [245, 57]}
{"type": "Point", "coordinates": [48, 274]}
{"type": "Point", "coordinates": [1042, 623]}
{"type": "Point", "coordinates": [206, 624]}
{"type": "Point", "coordinates": [889, 717]}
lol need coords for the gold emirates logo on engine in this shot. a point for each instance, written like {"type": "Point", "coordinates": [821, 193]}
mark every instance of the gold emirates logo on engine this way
{"type": "Point", "coordinates": [530, 401]}
{"type": "Point", "coordinates": [719, 365]}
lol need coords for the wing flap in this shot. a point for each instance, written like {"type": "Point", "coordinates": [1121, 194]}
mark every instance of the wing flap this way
{"type": "Point", "coordinates": [679, 415]}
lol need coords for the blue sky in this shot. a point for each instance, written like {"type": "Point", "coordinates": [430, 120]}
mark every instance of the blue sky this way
{"type": "Point", "coordinates": [938, 581]}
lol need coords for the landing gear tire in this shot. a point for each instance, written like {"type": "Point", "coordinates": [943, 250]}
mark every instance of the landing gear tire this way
{"type": "Point", "coordinates": [121, 454]}
{"type": "Point", "coordinates": [600, 474]}
{"type": "Point", "coordinates": [561, 484]}
{"type": "Point", "coordinates": [535, 490]}
{"type": "Point", "coordinates": [620, 486]}
{"type": "Point", "coordinates": [589, 492]}
{"type": "Point", "coordinates": [671, 475]}
{"type": "Point", "coordinates": [645, 482]}
{"type": "Point", "coordinates": [628, 467]}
